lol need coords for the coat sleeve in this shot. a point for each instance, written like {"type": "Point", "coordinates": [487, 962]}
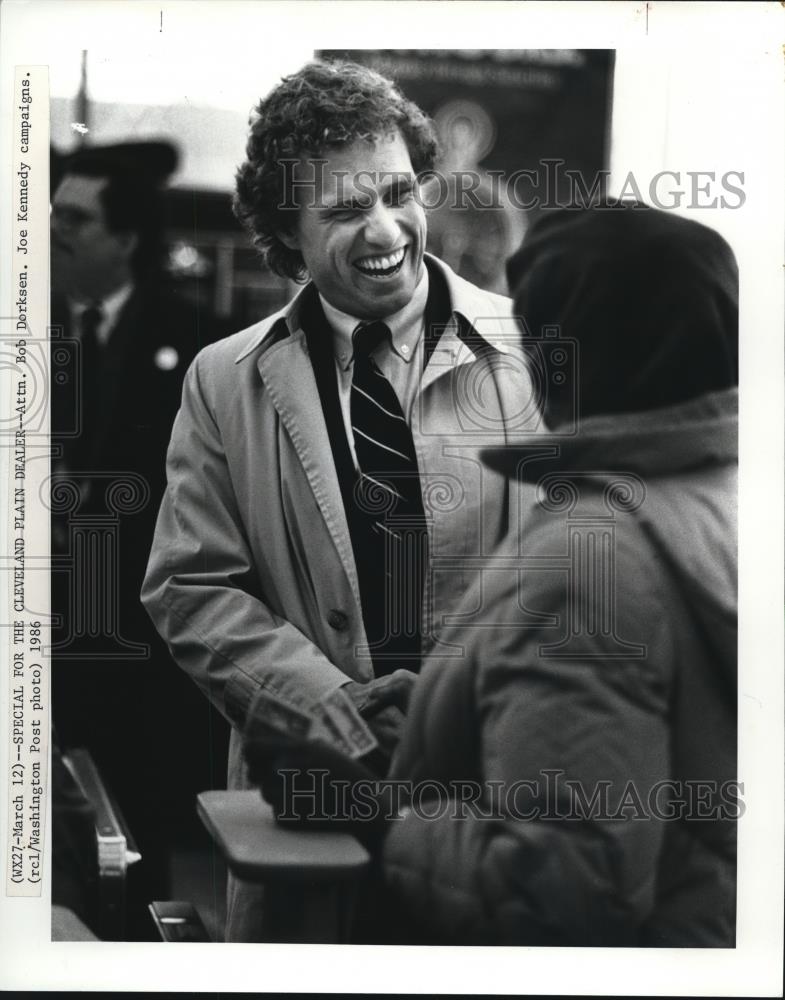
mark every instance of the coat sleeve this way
{"type": "Point", "coordinates": [494, 863]}
{"type": "Point", "coordinates": [201, 588]}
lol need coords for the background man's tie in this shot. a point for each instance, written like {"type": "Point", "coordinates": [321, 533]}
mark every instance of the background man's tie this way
{"type": "Point", "coordinates": [91, 320]}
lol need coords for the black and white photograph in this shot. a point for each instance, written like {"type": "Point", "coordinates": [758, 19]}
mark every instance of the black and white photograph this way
{"type": "Point", "coordinates": [392, 472]}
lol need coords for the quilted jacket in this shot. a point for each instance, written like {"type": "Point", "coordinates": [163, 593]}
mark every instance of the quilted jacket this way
{"type": "Point", "coordinates": [572, 741]}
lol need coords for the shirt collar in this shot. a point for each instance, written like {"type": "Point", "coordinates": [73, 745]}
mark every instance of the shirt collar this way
{"type": "Point", "coordinates": [406, 325]}
{"type": "Point", "coordinates": [491, 323]}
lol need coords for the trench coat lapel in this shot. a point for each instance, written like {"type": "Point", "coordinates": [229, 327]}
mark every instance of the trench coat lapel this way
{"type": "Point", "coordinates": [288, 376]}
{"type": "Point", "coordinates": [510, 376]}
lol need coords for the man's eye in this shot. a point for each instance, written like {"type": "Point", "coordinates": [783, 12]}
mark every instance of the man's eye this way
{"type": "Point", "coordinates": [400, 197]}
{"type": "Point", "coordinates": [342, 214]}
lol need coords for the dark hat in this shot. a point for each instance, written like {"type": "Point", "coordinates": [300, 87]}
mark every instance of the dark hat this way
{"type": "Point", "coordinates": [56, 161]}
{"type": "Point", "coordinates": [649, 297]}
{"type": "Point", "coordinates": [150, 162]}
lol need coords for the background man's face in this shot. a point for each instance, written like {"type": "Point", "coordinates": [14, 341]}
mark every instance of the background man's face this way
{"type": "Point", "coordinates": [360, 228]}
{"type": "Point", "coordinates": [88, 259]}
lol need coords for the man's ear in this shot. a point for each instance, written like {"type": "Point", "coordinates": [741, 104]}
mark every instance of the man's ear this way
{"type": "Point", "coordinates": [289, 239]}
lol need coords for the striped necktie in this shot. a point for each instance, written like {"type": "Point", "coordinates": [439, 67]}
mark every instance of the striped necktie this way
{"type": "Point", "coordinates": [390, 482]}
{"type": "Point", "coordinates": [388, 496]}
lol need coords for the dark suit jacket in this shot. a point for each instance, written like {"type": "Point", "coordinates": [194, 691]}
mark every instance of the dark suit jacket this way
{"type": "Point", "coordinates": [140, 377]}
{"type": "Point", "coordinates": [119, 693]}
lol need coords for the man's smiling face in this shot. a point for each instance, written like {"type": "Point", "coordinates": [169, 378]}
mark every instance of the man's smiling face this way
{"type": "Point", "coordinates": [360, 227]}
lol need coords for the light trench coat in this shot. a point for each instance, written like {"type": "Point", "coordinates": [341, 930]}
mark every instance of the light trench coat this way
{"type": "Point", "coordinates": [251, 579]}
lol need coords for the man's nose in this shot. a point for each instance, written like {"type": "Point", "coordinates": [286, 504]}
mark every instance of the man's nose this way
{"type": "Point", "coordinates": [381, 227]}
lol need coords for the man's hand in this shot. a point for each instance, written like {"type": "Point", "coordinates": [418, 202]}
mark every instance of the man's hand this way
{"type": "Point", "coordinates": [334, 778]}
{"type": "Point", "coordinates": [382, 703]}
{"type": "Point", "coordinates": [373, 696]}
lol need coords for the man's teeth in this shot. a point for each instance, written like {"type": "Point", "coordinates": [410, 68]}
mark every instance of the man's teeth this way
{"type": "Point", "coordinates": [381, 265]}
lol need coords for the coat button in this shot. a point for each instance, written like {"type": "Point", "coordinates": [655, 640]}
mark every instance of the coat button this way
{"type": "Point", "coordinates": [338, 620]}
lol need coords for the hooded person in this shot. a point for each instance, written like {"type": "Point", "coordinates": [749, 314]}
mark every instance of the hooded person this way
{"type": "Point", "coordinates": [591, 798]}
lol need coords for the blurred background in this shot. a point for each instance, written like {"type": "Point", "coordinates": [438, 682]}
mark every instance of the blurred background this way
{"type": "Point", "coordinates": [627, 112]}
{"type": "Point", "coordinates": [496, 111]}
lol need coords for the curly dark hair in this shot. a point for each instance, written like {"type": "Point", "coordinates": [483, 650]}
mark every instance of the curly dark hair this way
{"type": "Point", "coordinates": [323, 105]}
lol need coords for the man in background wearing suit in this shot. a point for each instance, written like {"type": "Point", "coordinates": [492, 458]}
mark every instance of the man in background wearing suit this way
{"type": "Point", "coordinates": [114, 397]}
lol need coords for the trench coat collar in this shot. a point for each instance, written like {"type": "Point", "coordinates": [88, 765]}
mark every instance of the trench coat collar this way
{"type": "Point", "coordinates": [282, 359]}
{"type": "Point", "coordinates": [286, 370]}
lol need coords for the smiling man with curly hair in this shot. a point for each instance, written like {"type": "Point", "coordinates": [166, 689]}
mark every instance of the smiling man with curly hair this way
{"type": "Point", "coordinates": [325, 106]}
{"type": "Point", "coordinates": [325, 498]}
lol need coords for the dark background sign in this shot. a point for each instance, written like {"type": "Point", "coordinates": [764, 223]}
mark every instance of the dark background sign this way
{"type": "Point", "coordinates": [533, 124]}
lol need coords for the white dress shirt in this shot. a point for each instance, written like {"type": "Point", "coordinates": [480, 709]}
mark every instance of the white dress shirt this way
{"type": "Point", "coordinates": [110, 308]}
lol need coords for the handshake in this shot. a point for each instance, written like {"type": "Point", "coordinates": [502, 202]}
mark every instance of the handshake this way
{"type": "Point", "coordinates": [348, 737]}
